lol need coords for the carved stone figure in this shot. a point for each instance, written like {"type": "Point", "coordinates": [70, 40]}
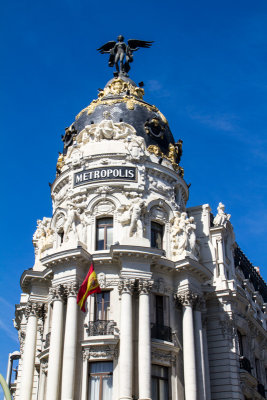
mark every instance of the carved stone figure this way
{"type": "Point", "coordinates": [133, 217]}
{"type": "Point", "coordinates": [121, 54]}
{"type": "Point", "coordinates": [74, 219]}
{"type": "Point", "coordinates": [106, 129]}
{"type": "Point", "coordinates": [136, 146]}
{"type": "Point", "coordinates": [183, 235]}
{"type": "Point", "coordinates": [43, 237]}
{"type": "Point", "coordinates": [221, 217]}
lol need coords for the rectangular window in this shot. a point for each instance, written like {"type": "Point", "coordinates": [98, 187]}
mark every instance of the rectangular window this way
{"type": "Point", "coordinates": [104, 233]}
{"type": "Point", "coordinates": [102, 302]}
{"type": "Point", "coordinates": [240, 343]}
{"type": "Point", "coordinates": [160, 383]}
{"type": "Point", "coordinates": [100, 380]}
{"type": "Point", "coordinates": [159, 310]}
{"type": "Point", "coordinates": [156, 235]}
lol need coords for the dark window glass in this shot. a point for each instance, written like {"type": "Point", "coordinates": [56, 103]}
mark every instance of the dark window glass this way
{"type": "Point", "coordinates": [104, 233]}
{"type": "Point", "coordinates": [159, 310]}
{"type": "Point", "coordinates": [100, 381]}
{"type": "Point", "coordinates": [160, 383]}
{"type": "Point", "coordinates": [240, 344]}
{"type": "Point", "coordinates": [101, 306]}
{"type": "Point", "coordinates": [156, 235]}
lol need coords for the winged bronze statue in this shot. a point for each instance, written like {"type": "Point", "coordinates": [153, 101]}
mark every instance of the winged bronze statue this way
{"type": "Point", "coordinates": [121, 54]}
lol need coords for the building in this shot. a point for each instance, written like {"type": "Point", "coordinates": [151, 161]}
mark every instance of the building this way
{"type": "Point", "coordinates": [182, 312]}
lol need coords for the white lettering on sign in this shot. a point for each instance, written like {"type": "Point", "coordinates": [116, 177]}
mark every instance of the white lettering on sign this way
{"type": "Point", "coordinates": [104, 174]}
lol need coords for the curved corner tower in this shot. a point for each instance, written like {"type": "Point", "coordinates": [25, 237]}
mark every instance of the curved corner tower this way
{"type": "Point", "coordinates": [119, 201]}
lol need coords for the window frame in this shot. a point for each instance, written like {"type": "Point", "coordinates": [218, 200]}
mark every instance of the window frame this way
{"type": "Point", "coordinates": [159, 378]}
{"type": "Point", "coordinates": [161, 231]}
{"type": "Point", "coordinates": [105, 226]}
{"type": "Point", "coordinates": [103, 312]}
{"type": "Point", "coordinates": [101, 375]}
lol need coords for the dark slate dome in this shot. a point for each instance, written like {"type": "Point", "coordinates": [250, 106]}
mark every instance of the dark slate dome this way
{"type": "Point", "coordinates": [123, 100]}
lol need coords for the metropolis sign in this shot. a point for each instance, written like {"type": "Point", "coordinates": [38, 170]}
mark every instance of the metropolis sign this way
{"type": "Point", "coordinates": [104, 174]}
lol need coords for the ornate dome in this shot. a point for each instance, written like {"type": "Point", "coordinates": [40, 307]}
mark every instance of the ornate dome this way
{"type": "Point", "coordinates": [122, 100]}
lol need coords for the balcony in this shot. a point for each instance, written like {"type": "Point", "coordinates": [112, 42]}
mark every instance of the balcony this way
{"type": "Point", "coordinates": [261, 389]}
{"type": "Point", "coordinates": [245, 364]}
{"type": "Point", "coordinates": [161, 332]}
{"type": "Point", "coordinates": [101, 327]}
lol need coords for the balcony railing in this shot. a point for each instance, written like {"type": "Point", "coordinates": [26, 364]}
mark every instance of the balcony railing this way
{"type": "Point", "coordinates": [161, 332]}
{"type": "Point", "coordinates": [101, 327]}
{"type": "Point", "coordinates": [261, 389]}
{"type": "Point", "coordinates": [245, 364]}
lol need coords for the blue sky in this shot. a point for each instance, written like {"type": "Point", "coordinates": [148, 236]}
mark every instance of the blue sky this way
{"type": "Point", "coordinates": [206, 71]}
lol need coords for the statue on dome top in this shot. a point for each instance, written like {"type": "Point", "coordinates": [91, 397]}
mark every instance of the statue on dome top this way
{"type": "Point", "coordinates": [121, 54]}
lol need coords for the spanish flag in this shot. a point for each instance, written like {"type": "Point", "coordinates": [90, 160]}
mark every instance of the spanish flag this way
{"type": "Point", "coordinates": [89, 286]}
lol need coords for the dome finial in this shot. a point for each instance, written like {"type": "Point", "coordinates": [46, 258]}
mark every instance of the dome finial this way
{"type": "Point", "coordinates": [121, 54]}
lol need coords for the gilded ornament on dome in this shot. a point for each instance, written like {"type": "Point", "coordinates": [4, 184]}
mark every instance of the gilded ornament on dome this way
{"type": "Point", "coordinates": [130, 104]}
{"type": "Point", "coordinates": [154, 149]}
{"type": "Point", "coordinates": [60, 163]}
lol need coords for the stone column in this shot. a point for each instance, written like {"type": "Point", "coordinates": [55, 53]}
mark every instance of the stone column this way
{"type": "Point", "coordinates": [190, 380]}
{"type": "Point", "coordinates": [206, 357]}
{"type": "Point", "coordinates": [42, 382]}
{"type": "Point", "coordinates": [32, 313]}
{"type": "Point", "coordinates": [84, 395]}
{"type": "Point", "coordinates": [70, 344]}
{"type": "Point", "coordinates": [144, 340]}
{"type": "Point", "coordinates": [199, 352]}
{"type": "Point", "coordinates": [56, 343]}
{"type": "Point", "coordinates": [126, 287]}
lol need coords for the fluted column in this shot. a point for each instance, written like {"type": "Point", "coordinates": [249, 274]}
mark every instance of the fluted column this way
{"type": "Point", "coordinates": [56, 342]}
{"type": "Point", "coordinates": [70, 344]}
{"type": "Point", "coordinates": [32, 314]}
{"type": "Point", "coordinates": [126, 288]}
{"type": "Point", "coordinates": [144, 340]}
{"type": "Point", "coordinates": [190, 380]}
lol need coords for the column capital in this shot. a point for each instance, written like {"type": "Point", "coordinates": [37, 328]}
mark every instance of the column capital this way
{"type": "Point", "coordinates": [34, 309]}
{"type": "Point", "coordinates": [71, 289]}
{"type": "Point", "coordinates": [126, 286]}
{"type": "Point", "coordinates": [144, 286]}
{"type": "Point", "coordinates": [57, 293]}
{"type": "Point", "coordinates": [187, 298]}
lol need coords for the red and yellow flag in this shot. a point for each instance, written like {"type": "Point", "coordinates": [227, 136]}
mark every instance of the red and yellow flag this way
{"type": "Point", "coordinates": [89, 286]}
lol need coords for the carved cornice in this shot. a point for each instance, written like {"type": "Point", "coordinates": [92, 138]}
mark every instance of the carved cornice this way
{"type": "Point", "coordinates": [126, 286]}
{"type": "Point", "coordinates": [144, 286]}
{"type": "Point", "coordinates": [57, 293]}
{"type": "Point", "coordinates": [163, 357]}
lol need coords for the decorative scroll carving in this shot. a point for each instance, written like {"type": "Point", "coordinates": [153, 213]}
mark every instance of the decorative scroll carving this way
{"type": "Point", "coordinates": [163, 357]}
{"type": "Point", "coordinates": [100, 352]}
{"type": "Point", "coordinates": [145, 286]}
{"type": "Point", "coordinates": [221, 218]}
{"type": "Point", "coordinates": [126, 286]}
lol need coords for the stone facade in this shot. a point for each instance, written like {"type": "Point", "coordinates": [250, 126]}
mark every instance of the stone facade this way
{"type": "Point", "coordinates": [182, 314]}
